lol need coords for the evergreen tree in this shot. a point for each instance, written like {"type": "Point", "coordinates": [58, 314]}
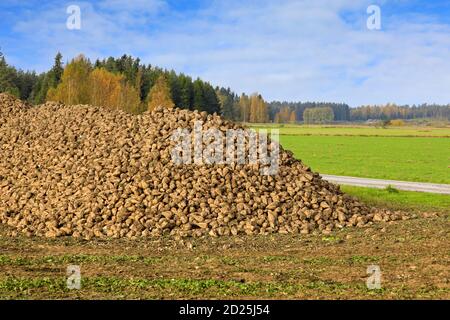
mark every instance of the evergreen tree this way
{"type": "Point", "coordinates": [184, 92]}
{"type": "Point", "coordinates": [175, 89]}
{"type": "Point", "coordinates": [40, 89]}
{"type": "Point", "coordinates": [56, 71]}
{"type": "Point", "coordinates": [8, 78]}
{"type": "Point", "coordinates": [47, 81]}
{"type": "Point", "coordinates": [187, 92]}
{"type": "Point", "coordinates": [211, 102]}
{"type": "Point", "coordinates": [24, 82]}
{"type": "Point", "coordinates": [226, 103]}
{"type": "Point", "coordinates": [199, 98]}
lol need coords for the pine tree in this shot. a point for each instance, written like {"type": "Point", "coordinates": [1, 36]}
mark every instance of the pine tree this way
{"type": "Point", "coordinates": [16, 82]}
{"type": "Point", "coordinates": [40, 88]}
{"type": "Point", "coordinates": [175, 89]}
{"type": "Point", "coordinates": [160, 95]}
{"type": "Point", "coordinates": [46, 81]}
{"type": "Point", "coordinates": [57, 71]}
{"type": "Point", "coordinates": [25, 82]}
{"type": "Point", "coordinates": [187, 92]}
{"type": "Point", "coordinates": [212, 104]}
{"type": "Point", "coordinates": [7, 78]}
{"type": "Point", "coordinates": [199, 99]}
{"type": "Point", "coordinates": [226, 104]}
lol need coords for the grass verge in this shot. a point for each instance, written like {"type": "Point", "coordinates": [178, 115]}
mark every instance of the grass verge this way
{"type": "Point", "coordinates": [401, 200]}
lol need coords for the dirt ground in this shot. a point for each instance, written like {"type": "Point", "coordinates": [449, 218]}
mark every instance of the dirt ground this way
{"type": "Point", "coordinates": [413, 256]}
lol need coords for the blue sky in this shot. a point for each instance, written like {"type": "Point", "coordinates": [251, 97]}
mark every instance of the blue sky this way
{"type": "Point", "coordinates": [295, 50]}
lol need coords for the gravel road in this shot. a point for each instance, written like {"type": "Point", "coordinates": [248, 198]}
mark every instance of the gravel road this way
{"type": "Point", "coordinates": [381, 184]}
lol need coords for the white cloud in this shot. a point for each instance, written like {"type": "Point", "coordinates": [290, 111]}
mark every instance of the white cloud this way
{"type": "Point", "coordinates": [286, 50]}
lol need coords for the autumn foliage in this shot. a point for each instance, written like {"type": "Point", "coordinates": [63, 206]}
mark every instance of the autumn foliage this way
{"type": "Point", "coordinates": [73, 89]}
{"type": "Point", "coordinates": [251, 109]}
{"type": "Point", "coordinates": [160, 95]}
{"type": "Point", "coordinates": [82, 85]}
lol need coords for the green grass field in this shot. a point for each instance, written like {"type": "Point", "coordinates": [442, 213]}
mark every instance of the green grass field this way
{"type": "Point", "coordinates": [401, 200]}
{"type": "Point", "coordinates": [408, 153]}
{"type": "Point", "coordinates": [397, 158]}
{"type": "Point", "coordinates": [420, 154]}
{"type": "Point", "coordinates": [341, 130]}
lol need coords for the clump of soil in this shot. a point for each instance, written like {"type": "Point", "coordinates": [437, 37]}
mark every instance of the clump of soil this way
{"type": "Point", "coordinates": [86, 171]}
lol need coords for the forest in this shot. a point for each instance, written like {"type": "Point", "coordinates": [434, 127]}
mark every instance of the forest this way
{"type": "Point", "coordinates": [135, 87]}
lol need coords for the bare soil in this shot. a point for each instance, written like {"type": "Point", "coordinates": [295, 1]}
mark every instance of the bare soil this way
{"type": "Point", "coordinates": [414, 257]}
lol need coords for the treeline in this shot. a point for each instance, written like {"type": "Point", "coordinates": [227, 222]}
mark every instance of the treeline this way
{"type": "Point", "coordinates": [80, 83]}
{"type": "Point", "coordinates": [128, 84]}
{"type": "Point", "coordinates": [72, 84]}
{"type": "Point", "coordinates": [242, 108]}
{"type": "Point", "coordinates": [185, 92]}
{"type": "Point", "coordinates": [284, 112]}
{"type": "Point", "coordinates": [318, 115]}
{"type": "Point", "coordinates": [135, 87]}
{"type": "Point", "coordinates": [290, 112]}
{"type": "Point", "coordinates": [16, 82]}
{"type": "Point", "coordinates": [406, 112]}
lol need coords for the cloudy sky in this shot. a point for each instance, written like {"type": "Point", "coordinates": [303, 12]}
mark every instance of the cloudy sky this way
{"type": "Point", "coordinates": [295, 50]}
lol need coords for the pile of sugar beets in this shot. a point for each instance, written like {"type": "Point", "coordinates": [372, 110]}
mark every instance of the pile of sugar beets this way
{"type": "Point", "coordinates": [86, 171]}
